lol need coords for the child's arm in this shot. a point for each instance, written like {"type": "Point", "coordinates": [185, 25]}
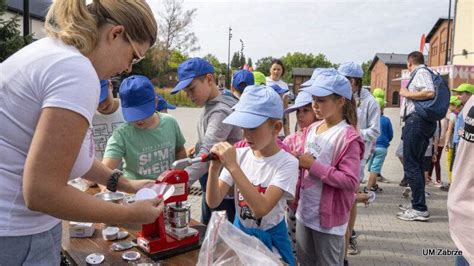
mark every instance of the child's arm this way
{"type": "Point", "coordinates": [215, 188]}
{"type": "Point", "coordinates": [449, 134]}
{"type": "Point", "coordinates": [343, 176]}
{"type": "Point", "coordinates": [258, 203]}
{"type": "Point", "coordinates": [180, 153]}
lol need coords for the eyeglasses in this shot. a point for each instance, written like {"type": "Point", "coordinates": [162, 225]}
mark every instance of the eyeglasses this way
{"type": "Point", "coordinates": [137, 57]}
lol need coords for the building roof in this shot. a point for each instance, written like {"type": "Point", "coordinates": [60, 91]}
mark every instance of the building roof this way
{"type": "Point", "coordinates": [391, 59]}
{"type": "Point", "coordinates": [435, 28]}
{"type": "Point", "coordinates": [38, 8]}
{"type": "Point", "coordinates": [298, 71]}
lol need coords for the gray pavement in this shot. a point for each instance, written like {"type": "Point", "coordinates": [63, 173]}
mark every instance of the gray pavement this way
{"type": "Point", "coordinates": [383, 239]}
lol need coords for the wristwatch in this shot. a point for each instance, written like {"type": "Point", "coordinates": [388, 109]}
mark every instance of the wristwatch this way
{"type": "Point", "coordinates": [113, 180]}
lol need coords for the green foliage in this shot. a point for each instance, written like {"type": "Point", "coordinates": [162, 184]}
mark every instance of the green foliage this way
{"type": "Point", "coordinates": [249, 62]}
{"type": "Point", "coordinates": [219, 68]}
{"type": "Point", "coordinates": [178, 99]}
{"type": "Point", "coordinates": [366, 77]}
{"type": "Point", "coordinates": [235, 62]}
{"type": "Point", "coordinates": [175, 59]}
{"type": "Point", "coordinates": [11, 38]}
{"type": "Point", "coordinates": [264, 64]}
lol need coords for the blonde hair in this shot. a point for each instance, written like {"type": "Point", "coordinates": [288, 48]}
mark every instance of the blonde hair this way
{"type": "Point", "coordinates": [78, 25]}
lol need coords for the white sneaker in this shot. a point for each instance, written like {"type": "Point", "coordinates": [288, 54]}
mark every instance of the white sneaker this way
{"type": "Point", "coordinates": [403, 208]}
{"type": "Point", "coordinates": [414, 215]}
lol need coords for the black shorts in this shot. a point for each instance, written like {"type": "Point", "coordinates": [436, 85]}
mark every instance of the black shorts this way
{"type": "Point", "coordinates": [427, 164]}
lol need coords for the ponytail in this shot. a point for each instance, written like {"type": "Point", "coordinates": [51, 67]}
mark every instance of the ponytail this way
{"type": "Point", "coordinates": [349, 112]}
{"type": "Point", "coordinates": [71, 22]}
{"type": "Point", "coordinates": [78, 25]}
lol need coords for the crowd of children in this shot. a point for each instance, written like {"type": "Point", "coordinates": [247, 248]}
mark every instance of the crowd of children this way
{"type": "Point", "coordinates": [265, 178]}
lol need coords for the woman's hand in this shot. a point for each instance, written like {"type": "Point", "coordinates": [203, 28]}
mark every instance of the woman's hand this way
{"type": "Point", "coordinates": [226, 153]}
{"type": "Point", "coordinates": [306, 160]}
{"type": "Point", "coordinates": [146, 211]}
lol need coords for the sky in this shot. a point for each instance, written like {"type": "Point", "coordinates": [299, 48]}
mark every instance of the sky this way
{"type": "Point", "coordinates": [343, 30]}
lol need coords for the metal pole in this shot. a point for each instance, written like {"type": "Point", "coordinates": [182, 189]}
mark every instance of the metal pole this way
{"type": "Point", "coordinates": [228, 58]}
{"type": "Point", "coordinates": [447, 37]}
{"type": "Point", "coordinates": [26, 17]}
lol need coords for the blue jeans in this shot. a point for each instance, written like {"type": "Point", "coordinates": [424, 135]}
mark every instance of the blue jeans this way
{"type": "Point", "coordinates": [416, 135]}
{"type": "Point", "coordinates": [38, 249]}
{"type": "Point", "coordinates": [461, 261]}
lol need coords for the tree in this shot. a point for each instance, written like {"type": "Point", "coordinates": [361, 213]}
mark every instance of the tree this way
{"type": "Point", "coordinates": [264, 64]}
{"type": "Point", "coordinates": [176, 59]}
{"type": "Point", "coordinates": [11, 39]}
{"type": "Point", "coordinates": [235, 62]}
{"type": "Point", "coordinates": [249, 62]}
{"type": "Point", "coordinates": [174, 23]}
{"type": "Point", "coordinates": [297, 59]}
{"type": "Point", "coordinates": [242, 60]}
{"type": "Point", "coordinates": [366, 77]}
{"type": "Point", "coordinates": [219, 68]}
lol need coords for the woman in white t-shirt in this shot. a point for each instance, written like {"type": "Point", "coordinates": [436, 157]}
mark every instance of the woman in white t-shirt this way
{"type": "Point", "coordinates": [277, 70]}
{"type": "Point", "coordinates": [49, 93]}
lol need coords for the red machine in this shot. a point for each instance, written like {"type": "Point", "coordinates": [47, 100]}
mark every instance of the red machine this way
{"type": "Point", "coordinates": [170, 233]}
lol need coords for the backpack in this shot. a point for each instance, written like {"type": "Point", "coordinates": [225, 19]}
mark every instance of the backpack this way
{"type": "Point", "coordinates": [433, 109]}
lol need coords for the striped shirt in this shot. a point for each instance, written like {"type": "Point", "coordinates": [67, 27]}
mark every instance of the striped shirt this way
{"type": "Point", "coordinates": [421, 81]}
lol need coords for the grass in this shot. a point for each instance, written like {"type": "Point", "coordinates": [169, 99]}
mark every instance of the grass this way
{"type": "Point", "coordinates": [179, 99]}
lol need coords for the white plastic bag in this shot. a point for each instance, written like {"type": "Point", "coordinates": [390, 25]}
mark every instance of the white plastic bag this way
{"type": "Point", "coordinates": [225, 244]}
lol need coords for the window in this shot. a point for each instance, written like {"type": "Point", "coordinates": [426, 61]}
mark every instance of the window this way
{"type": "Point", "coordinates": [434, 50]}
{"type": "Point", "coordinates": [395, 98]}
{"type": "Point", "coordinates": [443, 46]}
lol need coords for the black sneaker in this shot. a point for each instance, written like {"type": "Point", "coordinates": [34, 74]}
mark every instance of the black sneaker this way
{"type": "Point", "coordinates": [346, 263]}
{"type": "Point", "coordinates": [353, 246]}
{"type": "Point", "coordinates": [445, 188]}
{"type": "Point", "coordinates": [403, 183]}
{"type": "Point", "coordinates": [375, 188]}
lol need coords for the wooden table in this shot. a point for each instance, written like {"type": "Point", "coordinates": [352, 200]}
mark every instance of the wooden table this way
{"type": "Point", "coordinates": [77, 249]}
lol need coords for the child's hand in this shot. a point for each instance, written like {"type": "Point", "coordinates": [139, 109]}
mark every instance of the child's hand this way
{"type": "Point", "coordinates": [226, 153]}
{"type": "Point", "coordinates": [434, 158]}
{"type": "Point", "coordinates": [306, 160]}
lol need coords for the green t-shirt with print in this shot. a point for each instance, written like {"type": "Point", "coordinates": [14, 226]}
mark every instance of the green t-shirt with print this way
{"type": "Point", "coordinates": [146, 153]}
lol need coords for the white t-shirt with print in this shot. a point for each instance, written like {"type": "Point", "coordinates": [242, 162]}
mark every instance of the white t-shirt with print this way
{"type": "Point", "coordinates": [322, 147]}
{"type": "Point", "coordinates": [279, 170]}
{"type": "Point", "coordinates": [46, 73]}
{"type": "Point", "coordinates": [104, 125]}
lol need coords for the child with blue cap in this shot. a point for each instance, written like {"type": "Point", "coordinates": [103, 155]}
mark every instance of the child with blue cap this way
{"type": "Point", "coordinates": [305, 116]}
{"type": "Point", "coordinates": [150, 141]}
{"type": "Point", "coordinates": [368, 117]}
{"type": "Point", "coordinates": [196, 78]}
{"type": "Point", "coordinates": [264, 176]}
{"type": "Point", "coordinates": [333, 149]}
{"type": "Point", "coordinates": [240, 80]}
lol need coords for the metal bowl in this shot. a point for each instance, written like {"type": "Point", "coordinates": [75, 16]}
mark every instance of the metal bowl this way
{"type": "Point", "coordinates": [115, 197]}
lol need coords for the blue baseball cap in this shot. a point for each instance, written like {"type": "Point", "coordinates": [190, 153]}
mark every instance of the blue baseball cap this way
{"type": "Point", "coordinates": [137, 98]}
{"type": "Point", "coordinates": [104, 90]}
{"type": "Point", "coordinates": [256, 105]}
{"type": "Point", "coordinates": [304, 98]}
{"type": "Point", "coordinates": [190, 69]}
{"type": "Point", "coordinates": [351, 69]}
{"type": "Point", "coordinates": [278, 89]}
{"type": "Point", "coordinates": [242, 76]}
{"type": "Point", "coordinates": [163, 104]}
{"type": "Point", "coordinates": [330, 81]}
{"type": "Point", "coordinates": [313, 76]}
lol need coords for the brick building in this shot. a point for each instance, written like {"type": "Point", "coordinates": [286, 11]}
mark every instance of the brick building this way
{"type": "Point", "coordinates": [439, 44]}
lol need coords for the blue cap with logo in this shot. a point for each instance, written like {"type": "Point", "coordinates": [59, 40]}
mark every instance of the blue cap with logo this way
{"type": "Point", "coordinates": [351, 69]}
{"type": "Point", "coordinates": [330, 81]}
{"type": "Point", "coordinates": [278, 89]}
{"type": "Point", "coordinates": [256, 105]}
{"type": "Point", "coordinates": [242, 76]}
{"type": "Point", "coordinates": [304, 98]}
{"type": "Point", "coordinates": [163, 104]}
{"type": "Point", "coordinates": [104, 90]}
{"type": "Point", "coordinates": [137, 98]}
{"type": "Point", "coordinates": [313, 76]}
{"type": "Point", "coordinates": [190, 69]}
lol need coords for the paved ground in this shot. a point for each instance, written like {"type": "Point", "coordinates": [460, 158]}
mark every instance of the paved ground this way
{"type": "Point", "coordinates": [383, 239]}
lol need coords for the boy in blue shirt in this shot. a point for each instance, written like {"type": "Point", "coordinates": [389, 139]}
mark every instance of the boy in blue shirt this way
{"type": "Point", "coordinates": [378, 157]}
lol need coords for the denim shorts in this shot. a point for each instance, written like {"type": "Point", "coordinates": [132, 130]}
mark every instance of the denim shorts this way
{"type": "Point", "coordinates": [38, 249]}
{"type": "Point", "coordinates": [376, 161]}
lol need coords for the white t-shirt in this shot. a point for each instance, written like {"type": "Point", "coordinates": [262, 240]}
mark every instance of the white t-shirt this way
{"type": "Point", "coordinates": [46, 73]}
{"type": "Point", "coordinates": [322, 147]}
{"type": "Point", "coordinates": [104, 126]}
{"type": "Point", "coordinates": [279, 170]}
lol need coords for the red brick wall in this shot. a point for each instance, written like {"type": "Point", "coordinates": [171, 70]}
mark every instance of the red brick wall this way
{"type": "Point", "coordinates": [438, 51]}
